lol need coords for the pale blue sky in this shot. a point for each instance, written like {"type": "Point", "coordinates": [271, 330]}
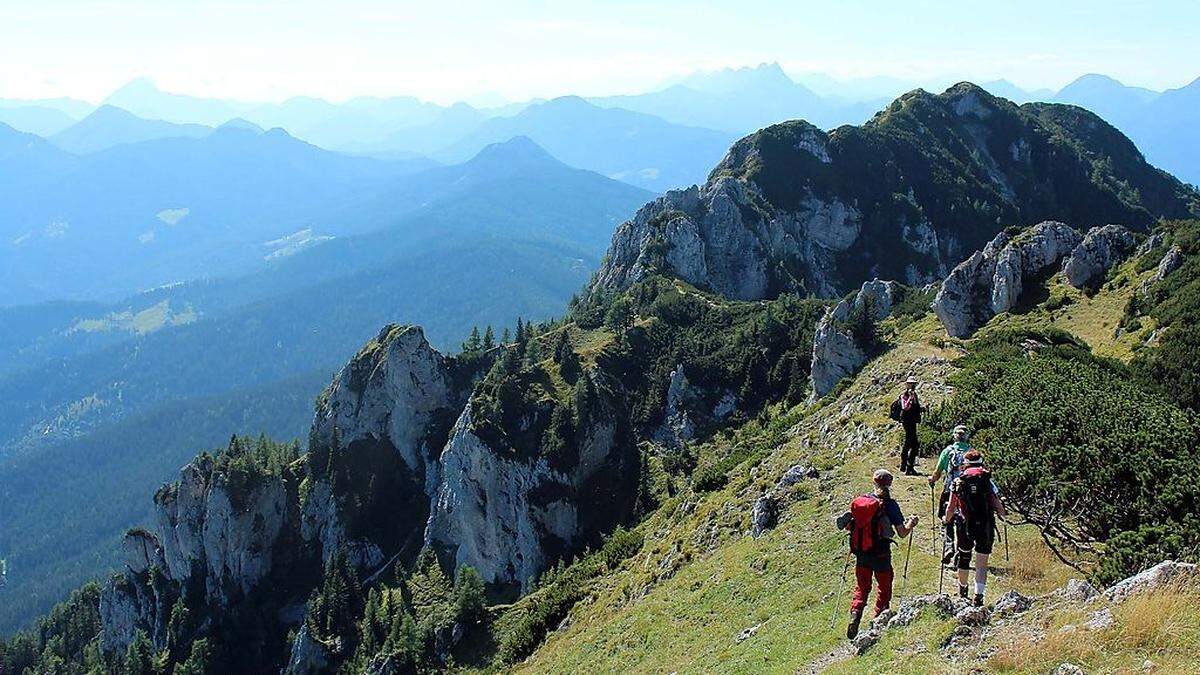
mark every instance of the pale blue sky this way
{"type": "Point", "coordinates": [271, 49]}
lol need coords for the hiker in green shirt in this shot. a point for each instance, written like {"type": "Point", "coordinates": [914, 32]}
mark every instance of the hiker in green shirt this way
{"type": "Point", "coordinates": [949, 465]}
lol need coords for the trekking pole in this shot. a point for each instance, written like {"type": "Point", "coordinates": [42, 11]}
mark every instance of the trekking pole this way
{"type": "Point", "coordinates": [907, 557]}
{"type": "Point", "coordinates": [837, 601]}
{"type": "Point", "coordinates": [1006, 542]}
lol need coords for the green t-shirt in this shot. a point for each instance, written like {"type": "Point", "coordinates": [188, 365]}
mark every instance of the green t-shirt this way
{"type": "Point", "coordinates": [955, 452]}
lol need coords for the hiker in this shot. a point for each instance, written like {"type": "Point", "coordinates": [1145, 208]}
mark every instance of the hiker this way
{"type": "Point", "coordinates": [873, 520]}
{"type": "Point", "coordinates": [948, 466]}
{"type": "Point", "coordinates": [973, 507]}
{"type": "Point", "coordinates": [906, 410]}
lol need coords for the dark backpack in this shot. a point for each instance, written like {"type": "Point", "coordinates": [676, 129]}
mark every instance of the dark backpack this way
{"type": "Point", "coordinates": [897, 411]}
{"type": "Point", "coordinates": [866, 524]}
{"type": "Point", "coordinates": [974, 489]}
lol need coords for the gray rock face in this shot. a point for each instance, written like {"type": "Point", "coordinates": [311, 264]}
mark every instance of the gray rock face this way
{"type": "Point", "coordinates": [1162, 574]}
{"type": "Point", "coordinates": [1012, 602]}
{"type": "Point", "coordinates": [721, 237]}
{"type": "Point", "coordinates": [991, 281]}
{"type": "Point", "coordinates": [835, 354]}
{"type": "Point", "coordinates": [687, 407]}
{"type": "Point", "coordinates": [128, 605]}
{"type": "Point", "coordinates": [1077, 590]}
{"type": "Point", "coordinates": [142, 551]}
{"type": "Point", "coordinates": [1170, 262]}
{"type": "Point", "coordinates": [211, 532]}
{"type": "Point", "coordinates": [504, 516]}
{"type": "Point", "coordinates": [207, 529]}
{"type": "Point", "coordinates": [308, 657]}
{"type": "Point", "coordinates": [389, 395]}
{"type": "Point", "coordinates": [1101, 248]}
{"type": "Point", "coordinates": [763, 514]}
{"type": "Point", "coordinates": [677, 427]}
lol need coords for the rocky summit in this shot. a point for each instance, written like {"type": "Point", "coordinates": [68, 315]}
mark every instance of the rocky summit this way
{"type": "Point", "coordinates": [905, 196]}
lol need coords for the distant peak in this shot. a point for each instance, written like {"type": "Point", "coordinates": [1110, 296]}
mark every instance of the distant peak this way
{"type": "Point", "coordinates": [571, 102]}
{"type": "Point", "coordinates": [138, 84]}
{"type": "Point", "coordinates": [241, 124]}
{"type": "Point", "coordinates": [520, 150]}
{"type": "Point", "coordinates": [110, 111]}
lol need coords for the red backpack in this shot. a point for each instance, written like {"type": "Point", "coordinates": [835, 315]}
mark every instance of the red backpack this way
{"type": "Point", "coordinates": [866, 524]}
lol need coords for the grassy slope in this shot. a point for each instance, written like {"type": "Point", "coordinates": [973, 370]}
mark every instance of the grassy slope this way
{"type": "Point", "coordinates": [700, 580]}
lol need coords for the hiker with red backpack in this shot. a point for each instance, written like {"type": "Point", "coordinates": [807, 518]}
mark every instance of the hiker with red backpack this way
{"type": "Point", "coordinates": [973, 507]}
{"type": "Point", "coordinates": [873, 521]}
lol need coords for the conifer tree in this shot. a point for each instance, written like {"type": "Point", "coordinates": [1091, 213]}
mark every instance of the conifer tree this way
{"type": "Point", "coordinates": [489, 338]}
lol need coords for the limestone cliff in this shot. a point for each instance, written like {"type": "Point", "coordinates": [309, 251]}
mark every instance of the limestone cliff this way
{"type": "Point", "coordinates": [991, 281]}
{"type": "Point", "coordinates": [836, 353]}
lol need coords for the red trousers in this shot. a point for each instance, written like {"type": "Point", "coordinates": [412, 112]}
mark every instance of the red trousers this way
{"type": "Point", "coordinates": [862, 588]}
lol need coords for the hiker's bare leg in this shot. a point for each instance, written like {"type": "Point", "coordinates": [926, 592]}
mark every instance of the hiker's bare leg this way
{"type": "Point", "coordinates": [981, 571]}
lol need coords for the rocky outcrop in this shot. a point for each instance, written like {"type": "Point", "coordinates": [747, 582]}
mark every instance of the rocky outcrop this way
{"type": "Point", "coordinates": [689, 407]}
{"type": "Point", "coordinates": [129, 604]}
{"type": "Point", "coordinates": [1170, 262]}
{"type": "Point", "coordinates": [991, 281]}
{"type": "Point", "coordinates": [836, 354]}
{"type": "Point", "coordinates": [1101, 248]}
{"type": "Point", "coordinates": [1159, 576]}
{"type": "Point", "coordinates": [218, 531]}
{"type": "Point", "coordinates": [509, 516]}
{"type": "Point", "coordinates": [308, 656]}
{"type": "Point", "coordinates": [379, 417]}
{"type": "Point", "coordinates": [719, 237]}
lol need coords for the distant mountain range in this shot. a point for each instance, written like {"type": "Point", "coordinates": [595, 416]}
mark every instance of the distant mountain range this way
{"type": "Point", "coordinates": [743, 100]}
{"type": "Point", "coordinates": [735, 101]}
{"type": "Point", "coordinates": [141, 214]}
{"type": "Point", "coordinates": [633, 147]}
{"type": "Point", "coordinates": [109, 126]}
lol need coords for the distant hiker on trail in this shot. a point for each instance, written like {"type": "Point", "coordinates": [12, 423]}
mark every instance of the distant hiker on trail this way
{"type": "Point", "coordinates": [974, 505]}
{"type": "Point", "coordinates": [949, 465]}
{"type": "Point", "coordinates": [873, 520]}
{"type": "Point", "coordinates": [906, 410]}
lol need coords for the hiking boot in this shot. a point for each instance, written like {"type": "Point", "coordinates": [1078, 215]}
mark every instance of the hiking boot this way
{"type": "Point", "coordinates": [852, 628]}
{"type": "Point", "coordinates": [979, 599]}
{"type": "Point", "coordinates": [962, 592]}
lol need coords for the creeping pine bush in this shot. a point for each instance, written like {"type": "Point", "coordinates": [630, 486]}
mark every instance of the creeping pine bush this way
{"type": "Point", "coordinates": [1081, 449]}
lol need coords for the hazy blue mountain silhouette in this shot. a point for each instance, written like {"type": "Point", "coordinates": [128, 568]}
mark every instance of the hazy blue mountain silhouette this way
{"type": "Point", "coordinates": [109, 126]}
{"type": "Point", "coordinates": [633, 147]}
{"type": "Point", "coordinates": [743, 100]}
{"type": "Point", "coordinates": [138, 215]}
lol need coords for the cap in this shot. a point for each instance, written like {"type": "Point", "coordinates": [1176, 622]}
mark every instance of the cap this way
{"type": "Point", "coordinates": [883, 477]}
{"type": "Point", "coordinates": [973, 458]}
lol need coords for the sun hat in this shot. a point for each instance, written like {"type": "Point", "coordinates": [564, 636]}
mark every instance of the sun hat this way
{"type": "Point", "coordinates": [911, 380]}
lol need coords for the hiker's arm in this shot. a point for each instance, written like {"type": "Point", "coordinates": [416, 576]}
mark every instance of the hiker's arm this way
{"type": "Point", "coordinates": [906, 528]}
{"type": "Point", "coordinates": [951, 509]}
{"type": "Point", "coordinates": [998, 506]}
